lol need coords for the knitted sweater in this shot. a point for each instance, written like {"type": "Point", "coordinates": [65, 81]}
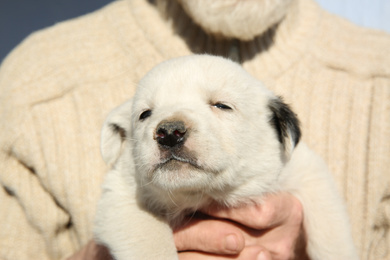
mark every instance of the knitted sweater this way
{"type": "Point", "coordinates": [58, 85]}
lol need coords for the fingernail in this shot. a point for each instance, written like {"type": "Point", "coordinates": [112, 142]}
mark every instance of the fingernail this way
{"type": "Point", "coordinates": [261, 256]}
{"type": "Point", "coordinates": [231, 242]}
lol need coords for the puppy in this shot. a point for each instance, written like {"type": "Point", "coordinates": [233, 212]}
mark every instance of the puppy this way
{"type": "Point", "coordinates": [201, 131]}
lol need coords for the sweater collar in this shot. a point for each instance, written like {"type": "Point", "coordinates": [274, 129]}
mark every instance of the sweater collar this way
{"type": "Point", "coordinates": [272, 53]}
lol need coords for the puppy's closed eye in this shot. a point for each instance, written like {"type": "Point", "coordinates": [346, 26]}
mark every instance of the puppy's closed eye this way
{"type": "Point", "coordinates": [222, 106]}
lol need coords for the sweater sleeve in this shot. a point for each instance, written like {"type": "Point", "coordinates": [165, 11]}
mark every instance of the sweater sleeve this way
{"type": "Point", "coordinates": [56, 88]}
{"type": "Point", "coordinates": [379, 247]}
{"type": "Point", "coordinates": [33, 225]}
{"type": "Point", "coordinates": [16, 233]}
{"type": "Point", "coordinates": [31, 218]}
{"type": "Point", "coordinates": [378, 181]}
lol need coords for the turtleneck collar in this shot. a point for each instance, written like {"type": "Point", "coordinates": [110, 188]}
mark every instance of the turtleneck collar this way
{"type": "Point", "coordinates": [269, 54]}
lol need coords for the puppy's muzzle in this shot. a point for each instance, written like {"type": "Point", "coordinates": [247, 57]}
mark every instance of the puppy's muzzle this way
{"type": "Point", "coordinates": [171, 134]}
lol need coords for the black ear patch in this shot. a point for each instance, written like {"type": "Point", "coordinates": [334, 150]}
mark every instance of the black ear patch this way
{"type": "Point", "coordinates": [285, 122]}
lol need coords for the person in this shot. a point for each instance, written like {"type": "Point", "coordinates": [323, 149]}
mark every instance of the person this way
{"type": "Point", "coordinates": [58, 85]}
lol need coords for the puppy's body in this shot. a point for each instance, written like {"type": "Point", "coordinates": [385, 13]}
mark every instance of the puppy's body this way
{"type": "Point", "coordinates": [202, 131]}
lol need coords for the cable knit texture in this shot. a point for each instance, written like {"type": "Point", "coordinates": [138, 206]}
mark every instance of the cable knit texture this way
{"type": "Point", "coordinates": [58, 85]}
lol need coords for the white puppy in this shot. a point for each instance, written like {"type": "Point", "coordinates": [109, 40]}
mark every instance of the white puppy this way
{"type": "Point", "coordinates": [201, 130]}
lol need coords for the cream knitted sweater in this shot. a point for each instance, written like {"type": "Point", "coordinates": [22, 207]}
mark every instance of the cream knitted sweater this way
{"type": "Point", "coordinates": [58, 85]}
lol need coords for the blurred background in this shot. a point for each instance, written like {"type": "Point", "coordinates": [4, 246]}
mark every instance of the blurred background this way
{"type": "Point", "coordinates": [18, 18]}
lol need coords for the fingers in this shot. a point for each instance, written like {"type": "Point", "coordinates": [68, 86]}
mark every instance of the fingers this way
{"type": "Point", "coordinates": [249, 253]}
{"type": "Point", "coordinates": [273, 210]}
{"type": "Point", "coordinates": [273, 227]}
{"type": "Point", "coordinates": [212, 236]}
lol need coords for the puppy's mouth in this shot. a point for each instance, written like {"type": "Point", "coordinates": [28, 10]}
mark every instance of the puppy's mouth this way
{"type": "Point", "coordinates": [173, 161]}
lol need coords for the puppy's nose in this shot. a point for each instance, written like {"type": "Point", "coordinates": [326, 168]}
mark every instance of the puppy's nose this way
{"type": "Point", "coordinates": [170, 134]}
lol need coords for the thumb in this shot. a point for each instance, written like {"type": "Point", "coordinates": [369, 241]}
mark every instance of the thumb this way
{"type": "Point", "coordinates": [211, 236]}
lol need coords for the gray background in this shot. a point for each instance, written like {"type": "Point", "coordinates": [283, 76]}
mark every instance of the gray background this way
{"type": "Point", "coordinates": [18, 18]}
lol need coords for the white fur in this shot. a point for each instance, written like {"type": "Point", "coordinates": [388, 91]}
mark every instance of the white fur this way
{"type": "Point", "coordinates": [237, 156]}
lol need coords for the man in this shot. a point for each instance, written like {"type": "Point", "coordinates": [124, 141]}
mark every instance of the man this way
{"type": "Point", "coordinates": [58, 85]}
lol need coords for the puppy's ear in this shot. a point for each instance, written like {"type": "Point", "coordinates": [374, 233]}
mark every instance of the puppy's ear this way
{"type": "Point", "coordinates": [286, 124]}
{"type": "Point", "coordinates": [115, 130]}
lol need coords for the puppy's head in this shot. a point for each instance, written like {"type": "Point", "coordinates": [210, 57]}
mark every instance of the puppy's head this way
{"type": "Point", "coordinates": [202, 123]}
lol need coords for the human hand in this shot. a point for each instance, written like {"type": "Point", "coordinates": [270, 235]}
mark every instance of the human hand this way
{"type": "Point", "coordinates": [272, 230]}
